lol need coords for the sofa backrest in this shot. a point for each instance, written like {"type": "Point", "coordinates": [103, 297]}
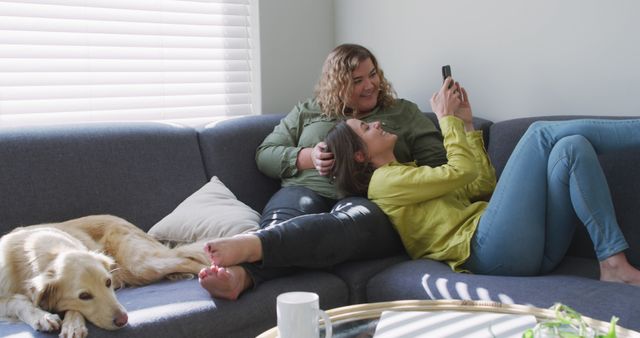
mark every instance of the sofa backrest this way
{"type": "Point", "coordinates": [479, 123]}
{"type": "Point", "coordinates": [138, 171]}
{"type": "Point", "coordinates": [228, 151]}
{"type": "Point", "coordinates": [619, 168]}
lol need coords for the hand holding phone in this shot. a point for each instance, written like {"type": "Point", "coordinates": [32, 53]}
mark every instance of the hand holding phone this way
{"type": "Point", "coordinates": [446, 72]}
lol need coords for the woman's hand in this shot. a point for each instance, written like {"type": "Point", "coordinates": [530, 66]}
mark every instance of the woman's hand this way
{"type": "Point", "coordinates": [464, 110]}
{"type": "Point", "coordinates": [322, 160]}
{"type": "Point", "coordinates": [446, 101]}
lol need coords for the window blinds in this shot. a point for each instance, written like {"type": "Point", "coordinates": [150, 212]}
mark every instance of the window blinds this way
{"type": "Point", "coordinates": [72, 60]}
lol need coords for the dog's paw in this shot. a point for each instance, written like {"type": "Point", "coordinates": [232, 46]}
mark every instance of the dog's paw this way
{"type": "Point", "coordinates": [73, 326]}
{"type": "Point", "coordinates": [48, 322]}
{"type": "Point", "coordinates": [72, 330]}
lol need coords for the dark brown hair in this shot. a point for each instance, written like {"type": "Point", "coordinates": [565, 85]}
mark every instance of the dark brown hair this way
{"type": "Point", "coordinates": [351, 177]}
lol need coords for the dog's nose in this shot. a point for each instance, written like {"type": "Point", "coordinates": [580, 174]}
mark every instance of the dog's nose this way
{"type": "Point", "coordinates": [121, 319]}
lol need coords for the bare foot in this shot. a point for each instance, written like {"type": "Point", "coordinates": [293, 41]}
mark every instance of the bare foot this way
{"type": "Point", "coordinates": [230, 251]}
{"type": "Point", "coordinates": [227, 283]}
{"type": "Point", "coordinates": [617, 269]}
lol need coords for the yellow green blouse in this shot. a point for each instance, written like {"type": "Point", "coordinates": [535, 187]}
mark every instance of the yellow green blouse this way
{"type": "Point", "coordinates": [436, 209]}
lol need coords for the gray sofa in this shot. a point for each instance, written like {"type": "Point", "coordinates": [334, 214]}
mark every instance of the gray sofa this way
{"type": "Point", "coordinates": [142, 171]}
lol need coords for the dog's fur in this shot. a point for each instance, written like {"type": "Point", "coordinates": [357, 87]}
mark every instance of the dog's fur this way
{"type": "Point", "coordinates": [73, 268]}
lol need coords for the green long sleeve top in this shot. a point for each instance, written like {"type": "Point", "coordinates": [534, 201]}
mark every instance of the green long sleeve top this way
{"type": "Point", "coordinates": [433, 208]}
{"type": "Point", "coordinates": [418, 140]}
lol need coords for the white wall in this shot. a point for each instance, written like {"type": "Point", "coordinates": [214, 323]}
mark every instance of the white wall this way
{"type": "Point", "coordinates": [295, 38]}
{"type": "Point", "coordinates": [516, 58]}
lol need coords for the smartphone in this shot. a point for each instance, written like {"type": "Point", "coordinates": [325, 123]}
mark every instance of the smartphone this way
{"type": "Point", "coordinates": [446, 72]}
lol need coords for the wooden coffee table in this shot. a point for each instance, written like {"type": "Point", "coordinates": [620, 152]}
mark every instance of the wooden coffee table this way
{"type": "Point", "coordinates": [359, 321]}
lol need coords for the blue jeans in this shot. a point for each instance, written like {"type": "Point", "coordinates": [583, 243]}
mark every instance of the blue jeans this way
{"type": "Point", "coordinates": [552, 176]}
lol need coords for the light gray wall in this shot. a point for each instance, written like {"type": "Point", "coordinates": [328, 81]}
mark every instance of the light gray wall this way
{"type": "Point", "coordinates": [295, 37]}
{"type": "Point", "coordinates": [516, 58]}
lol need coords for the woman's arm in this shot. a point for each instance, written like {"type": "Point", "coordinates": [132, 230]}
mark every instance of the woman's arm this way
{"type": "Point", "coordinates": [277, 156]}
{"type": "Point", "coordinates": [427, 147]}
{"type": "Point", "coordinates": [400, 185]}
{"type": "Point", "coordinates": [485, 183]}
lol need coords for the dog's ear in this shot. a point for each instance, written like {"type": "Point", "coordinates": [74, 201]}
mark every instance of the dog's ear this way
{"type": "Point", "coordinates": [44, 291]}
{"type": "Point", "coordinates": [113, 267]}
{"type": "Point", "coordinates": [49, 297]}
{"type": "Point", "coordinates": [107, 262]}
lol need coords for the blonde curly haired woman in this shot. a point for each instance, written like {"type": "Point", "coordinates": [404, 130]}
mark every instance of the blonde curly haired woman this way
{"type": "Point", "coordinates": [307, 223]}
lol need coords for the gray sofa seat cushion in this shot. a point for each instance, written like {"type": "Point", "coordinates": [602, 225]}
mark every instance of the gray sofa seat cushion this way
{"type": "Point", "coordinates": [356, 274]}
{"type": "Point", "coordinates": [184, 309]}
{"type": "Point", "coordinates": [427, 279]}
{"type": "Point", "coordinates": [138, 171]}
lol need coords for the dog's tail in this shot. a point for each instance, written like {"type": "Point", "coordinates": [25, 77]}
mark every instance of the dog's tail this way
{"type": "Point", "coordinates": [194, 251]}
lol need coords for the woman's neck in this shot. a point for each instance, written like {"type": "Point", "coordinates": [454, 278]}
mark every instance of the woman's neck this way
{"type": "Point", "coordinates": [360, 115]}
{"type": "Point", "coordinates": [356, 114]}
{"type": "Point", "coordinates": [381, 160]}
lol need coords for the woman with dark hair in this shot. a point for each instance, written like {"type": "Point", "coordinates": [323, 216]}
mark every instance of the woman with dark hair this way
{"type": "Point", "coordinates": [307, 223]}
{"type": "Point", "coordinates": [525, 228]}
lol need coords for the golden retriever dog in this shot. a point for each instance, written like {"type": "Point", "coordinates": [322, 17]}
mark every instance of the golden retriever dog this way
{"type": "Point", "coordinates": [73, 267]}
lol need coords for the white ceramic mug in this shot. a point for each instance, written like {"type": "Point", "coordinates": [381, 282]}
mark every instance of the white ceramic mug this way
{"type": "Point", "coordinates": [298, 315]}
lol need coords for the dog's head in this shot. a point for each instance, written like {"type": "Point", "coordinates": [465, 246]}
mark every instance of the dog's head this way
{"type": "Point", "coordinates": [81, 281]}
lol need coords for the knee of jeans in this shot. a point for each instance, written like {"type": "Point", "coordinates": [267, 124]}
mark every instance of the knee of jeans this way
{"type": "Point", "coordinates": [537, 129]}
{"type": "Point", "coordinates": [538, 126]}
{"type": "Point", "coordinates": [575, 143]}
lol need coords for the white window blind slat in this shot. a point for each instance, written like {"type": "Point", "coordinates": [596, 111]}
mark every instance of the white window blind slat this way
{"type": "Point", "coordinates": [121, 59]}
{"type": "Point", "coordinates": [90, 39]}
{"type": "Point", "coordinates": [115, 103]}
{"type": "Point", "coordinates": [87, 12]}
{"type": "Point", "coordinates": [89, 78]}
{"type": "Point", "coordinates": [121, 90]}
{"type": "Point", "coordinates": [123, 114]}
{"type": "Point", "coordinates": [208, 7]}
{"type": "Point", "coordinates": [121, 65]}
{"type": "Point", "coordinates": [117, 27]}
{"type": "Point", "coordinates": [105, 52]}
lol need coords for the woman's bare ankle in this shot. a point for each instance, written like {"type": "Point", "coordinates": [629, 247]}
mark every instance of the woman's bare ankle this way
{"type": "Point", "coordinates": [617, 269]}
{"type": "Point", "coordinates": [230, 251]}
{"type": "Point", "coordinates": [244, 280]}
{"type": "Point", "coordinates": [253, 247]}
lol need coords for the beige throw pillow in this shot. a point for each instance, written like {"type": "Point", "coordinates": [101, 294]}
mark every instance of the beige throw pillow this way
{"type": "Point", "coordinates": [211, 212]}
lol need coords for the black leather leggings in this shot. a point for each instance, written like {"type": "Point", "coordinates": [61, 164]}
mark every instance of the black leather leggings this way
{"type": "Point", "coordinates": [301, 229]}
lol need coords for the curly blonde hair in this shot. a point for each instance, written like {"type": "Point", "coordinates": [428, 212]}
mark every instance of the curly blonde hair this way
{"type": "Point", "coordinates": [336, 84]}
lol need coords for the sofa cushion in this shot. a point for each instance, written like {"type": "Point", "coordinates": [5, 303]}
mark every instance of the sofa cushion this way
{"type": "Point", "coordinates": [211, 212]}
{"type": "Point", "coordinates": [427, 279]}
{"type": "Point", "coordinates": [356, 274]}
{"type": "Point", "coordinates": [184, 309]}
{"type": "Point", "coordinates": [137, 171]}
